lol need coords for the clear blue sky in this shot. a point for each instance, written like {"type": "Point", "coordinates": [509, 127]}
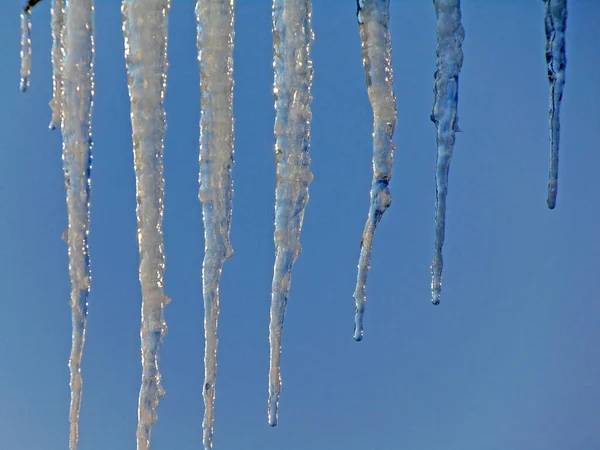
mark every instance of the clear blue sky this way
{"type": "Point", "coordinates": [508, 361]}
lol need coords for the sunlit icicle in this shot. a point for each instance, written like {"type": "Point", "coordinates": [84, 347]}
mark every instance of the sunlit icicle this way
{"type": "Point", "coordinates": [145, 24]}
{"type": "Point", "coordinates": [555, 19]}
{"type": "Point", "coordinates": [58, 21]}
{"type": "Point", "coordinates": [215, 20]}
{"type": "Point", "coordinates": [292, 40]}
{"type": "Point", "coordinates": [450, 35]}
{"type": "Point", "coordinates": [78, 92]}
{"type": "Point", "coordinates": [25, 50]}
{"type": "Point", "coordinates": [373, 20]}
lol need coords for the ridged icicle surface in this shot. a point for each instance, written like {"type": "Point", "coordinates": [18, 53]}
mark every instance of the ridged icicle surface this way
{"type": "Point", "coordinates": [145, 24]}
{"type": "Point", "coordinates": [373, 20]}
{"type": "Point", "coordinates": [77, 95]}
{"type": "Point", "coordinates": [450, 35]}
{"type": "Point", "coordinates": [292, 40]}
{"type": "Point", "coordinates": [215, 57]}
{"type": "Point", "coordinates": [555, 20]}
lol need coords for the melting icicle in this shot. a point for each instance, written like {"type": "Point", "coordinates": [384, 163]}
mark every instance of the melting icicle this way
{"type": "Point", "coordinates": [145, 25]}
{"type": "Point", "coordinates": [57, 11]}
{"type": "Point", "coordinates": [373, 20]}
{"type": "Point", "coordinates": [25, 49]}
{"type": "Point", "coordinates": [555, 18]}
{"type": "Point", "coordinates": [215, 57]}
{"type": "Point", "coordinates": [450, 35]}
{"type": "Point", "coordinates": [78, 91]}
{"type": "Point", "coordinates": [292, 39]}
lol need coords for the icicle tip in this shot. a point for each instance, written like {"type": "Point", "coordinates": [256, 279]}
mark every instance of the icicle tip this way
{"type": "Point", "coordinates": [552, 191]}
{"type": "Point", "coordinates": [358, 322]}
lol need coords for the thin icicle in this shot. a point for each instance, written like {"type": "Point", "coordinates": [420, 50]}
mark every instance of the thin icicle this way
{"type": "Point", "coordinates": [145, 24]}
{"type": "Point", "coordinates": [78, 92]}
{"type": "Point", "coordinates": [58, 20]}
{"type": "Point", "coordinates": [555, 18]}
{"type": "Point", "coordinates": [25, 49]}
{"type": "Point", "coordinates": [450, 35]}
{"type": "Point", "coordinates": [292, 40]}
{"type": "Point", "coordinates": [373, 20]}
{"type": "Point", "coordinates": [215, 57]}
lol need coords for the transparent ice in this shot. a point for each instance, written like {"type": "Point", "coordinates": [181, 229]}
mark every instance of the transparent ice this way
{"type": "Point", "coordinates": [215, 57]}
{"type": "Point", "coordinates": [555, 20]}
{"type": "Point", "coordinates": [292, 64]}
{"type": "Point", "coordinates": [145, 25]}
{"type": "Point", "coordinates": [373, 20]}
{"type": "Point", "coordinates": [450, 35]}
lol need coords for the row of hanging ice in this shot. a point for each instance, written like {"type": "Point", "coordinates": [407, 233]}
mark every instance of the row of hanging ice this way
{"type": "Point", "coordinates": [145, 28]}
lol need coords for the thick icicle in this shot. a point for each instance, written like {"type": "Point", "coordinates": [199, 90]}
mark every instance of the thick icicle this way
{"type": "Point", "coordinates": [25, 49]}
{"type": "Point", "coordinates": [450, 35]}
{"type": "Point", "coordinates": [373, 20]}
{"type": "Point", "coordinates": [145, 24]}
{"type": "Point", "coordinates": [58, 20]}
{"type": "Point", "coordinates": [215, 57]}
{"type": "Point", "coordinates": [555, 18]}
{"type": "Point", "coordinates": [78, 92]}
{"type": "Point", "coordinates": [292, 40]}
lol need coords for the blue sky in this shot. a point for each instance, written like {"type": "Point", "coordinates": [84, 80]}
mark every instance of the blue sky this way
{"type": "Point", "coordinates": [508, 361]}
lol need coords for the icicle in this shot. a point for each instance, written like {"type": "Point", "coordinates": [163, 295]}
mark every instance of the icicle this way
{"type": "Point", "coordinates": [373, 20]}
{"type": "Point", "coordinates": [555, 18]}
{"type": "Point", "coordinates": [57, 11]}
{"type": "Point", "coordinates": [145, 25]}
{"type": "Point", "coordinates": [25, 49]}
{"type": "Point", "coordinates": [78, 92]}
{"type": "Point", "coordinates": [450, 35]}
{"type": "Point", "coordinates": [292, 39]}
{"type": "Point", "coordinates": [215, 57]}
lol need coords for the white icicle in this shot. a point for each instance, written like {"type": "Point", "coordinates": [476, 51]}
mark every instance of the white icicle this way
{"type": "Point", "coordinates": [373, 20]}
{"type": "Point", "coordinates": [145, 24]}
{"type": "Point", "coordinates": [58, 20]}
{"type": "Point", "coordinates": [215, 57]}
{"type": "Point", "coordinates": [292, 40]}
{"type": "Point", "coordinates": [77, 92]}
{"type": "Point", "coordinates": [25, 50]}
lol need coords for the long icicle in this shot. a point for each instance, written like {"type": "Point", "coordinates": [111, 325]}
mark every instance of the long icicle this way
{"type": "Point", "coordinates": [450, 35]}
{"type": "Point", "coordinates": [58, 21]}
{"type": "Point", "coordinates": [77, 94]}
{"type": "Point", "coordinates": [555, 19]}
{"type": "Point", "coordinates": [292, 40]}
{"type": "Point", "coordinates": [25, 49]}
{"type": "Point", "coordinates": [145, 24]}
{"type": "Point", "coordinates": [215, 20]}
{"type": "Point", "coordinates": [373, 19]}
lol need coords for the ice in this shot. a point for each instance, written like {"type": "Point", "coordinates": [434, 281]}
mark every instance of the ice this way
{"type": "Point", "coordinates": [292, 40]}
{"type": "Point", "coordinates": [555, 19]}
{"type": "Point", "coordinates": [145, 24]}
{"type": "Point", "coordinates": [58, 20]}
{"type": "Point", "coordinates": [450, 35]}
{"type": "Point", "coordinates": [77, 92]}
{"type": "Point", "coordinates": [373, 20]}
{"type": "Point", "coordinates": [25, 50]}
{"type": "Point", "coordinates": [215, 57]}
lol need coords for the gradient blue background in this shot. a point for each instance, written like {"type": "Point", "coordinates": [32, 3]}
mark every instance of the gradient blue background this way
{"type": "Point", "coordinates": [509, 360]}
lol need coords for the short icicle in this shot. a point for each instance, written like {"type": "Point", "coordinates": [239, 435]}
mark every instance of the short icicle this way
{"type": "Point", "coordinates": [293, 72]}
{"type": "Point", "coordinates": [555, 20]}
{"type": "Point", "coordinates": [145, 24]}
{"type": "Point", "coordinates": [78, 92]}
{"type": "Point", "coordinates": [215, 20]}
{"type": "Point", "coordinates": [450, 35]}
{"type": "Point", "coordinates": [25, 49]}
{"type": "Point", "coordinates": [373, 20]}
{"type": "Point", "coordinates": [58, 21]}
